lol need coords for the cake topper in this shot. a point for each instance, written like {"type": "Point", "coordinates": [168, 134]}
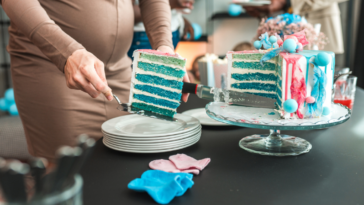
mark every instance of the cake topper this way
{"type": "Point", "coordinates": [292, 43]}
{"type": "Point", "coordinates": [286, 24]}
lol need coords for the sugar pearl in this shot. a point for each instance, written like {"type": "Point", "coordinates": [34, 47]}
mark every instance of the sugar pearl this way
{"type": "Point", "coordinates": [310, 100]}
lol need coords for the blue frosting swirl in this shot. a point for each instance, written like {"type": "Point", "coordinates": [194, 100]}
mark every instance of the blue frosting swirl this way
{"type": "Point", "coordinates": [318, 92]}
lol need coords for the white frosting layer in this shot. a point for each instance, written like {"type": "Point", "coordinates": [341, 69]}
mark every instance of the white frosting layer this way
{"type": "Point", "coordinates": [247, 70]}
{"type": "Point", "coordinates": [167, 77]}
{"type": "Point", "coordinates": [136, 91]}
{"type": "Point", "coordinates": [158, 86]}
{"type": "Point", "coordinates": [252, 91]}
{"type": "Point", "coordinates": [158, 63]}
{"type": "Point", "coordinates": [252, 81]}
{"type": "Point", "coordinates": [139, 101]}
{"type": "Point", "coordinates": [248, 60]}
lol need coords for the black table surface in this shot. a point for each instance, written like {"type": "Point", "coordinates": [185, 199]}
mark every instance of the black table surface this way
{"type": "Point", "coordinates": [331, 173]}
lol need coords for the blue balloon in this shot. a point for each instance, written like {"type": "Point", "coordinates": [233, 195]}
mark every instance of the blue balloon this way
{"type": "Point", "coordinates": [257, 44]}
{"type": "Point", "coordinates": [290, 106]}
{"type": "Point", "coordinates": [235, 10]}
{"type": "Point", "coordinates": [290, 45]}
{"type": "Point", "coordinates": [197, 31]}
{"type": "Point", "coordinates": [4, 105]}
{"type": "Point", "coordinates": [13, 110]}
{"type": "Point", "coordinates": [272, 39]}
{"type": "Point", "coordinates": [326, 111]}
{"type": "Point", "coordinates": [322, 59]}
{"type": "Point", "coordinates": [9, 96]}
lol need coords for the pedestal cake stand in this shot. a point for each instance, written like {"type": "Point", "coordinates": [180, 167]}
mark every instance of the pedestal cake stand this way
{"type": "Point", "coordinates": [274, 144]}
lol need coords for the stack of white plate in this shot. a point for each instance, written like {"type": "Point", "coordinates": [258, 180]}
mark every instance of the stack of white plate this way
{"type": "Point", "coordinates": [140, 134]}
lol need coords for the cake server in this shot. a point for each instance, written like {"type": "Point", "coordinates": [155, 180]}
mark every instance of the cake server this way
{"type": "Point", "coordinates": [133, 110]}
{"type": "Point", "coordinates": [229, 96]}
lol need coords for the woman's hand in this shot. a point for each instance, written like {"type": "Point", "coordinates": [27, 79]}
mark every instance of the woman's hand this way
{"type": "Point", "coordinates": [85, 72]}
{"type": "Point", "coordinates": [168, 49]}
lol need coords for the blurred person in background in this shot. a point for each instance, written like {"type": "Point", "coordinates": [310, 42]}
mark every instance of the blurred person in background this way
{"type": "Point", "coordinates": [244, 46]}
{"type": "Point", "coordinates": [194, 72]}
{"type": "Point", "coordinates": [180, 26]}
{"type": "Point", "coordinates": [324, 12]}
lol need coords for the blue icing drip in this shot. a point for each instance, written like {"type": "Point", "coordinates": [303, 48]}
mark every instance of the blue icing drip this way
{"type": "Point", "coordinates": [152, 108]}
{"type": "Point", "coordinates": [156, 101]}
{"type": "Point", "coordinates": [159, 81]}
{"type": "Point", "coordinates": [256, 86]}
{"type": "Point", "coordinates": [318, 92]}
{"type": "Point", "coordinates": [270, 54]}
{"type": "Point", "coordinates": [271, 113]}
{"type": "Point", "coordinates": [268, 95]}
{"type": "Point", "coordinates": [159, 91]}
{"type": "Point", "coordinates": [254, 76]}
{"type": "Point", "coordinates": [333, 68]}
{"type": "Point", "coordinates": [166, 70]}
{"type": "Point", "coordinates": [254, 65]}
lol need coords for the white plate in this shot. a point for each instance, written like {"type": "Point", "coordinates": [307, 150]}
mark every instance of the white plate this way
{"type": "Point", "coordinates": [200, 114]}
{"type": "Point", "coordinates": [251, 2]}
{"type": "Point", "coordinates": [141, 126]}
{"type": "Point", "coordinates": [149, 151]}
{"type": "Point", "coordinates": [154, 145]}
{"type": "Point", "coordinates": [155, 138]}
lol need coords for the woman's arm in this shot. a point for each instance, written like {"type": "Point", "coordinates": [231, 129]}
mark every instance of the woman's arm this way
{"type": "Point", "coordinates": [156, 15]}
{"type": "Point", "coordinates": [137, 15]}
{"type": "Point", "coordinates": [33, 21]}
{"type": "Point", "coordinates": [83, 70]}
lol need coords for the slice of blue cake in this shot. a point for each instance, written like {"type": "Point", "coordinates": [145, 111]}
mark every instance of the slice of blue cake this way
{"type": "Point", "coordinates": [157, 81]}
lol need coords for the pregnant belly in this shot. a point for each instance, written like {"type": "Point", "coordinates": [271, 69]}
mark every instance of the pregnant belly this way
{"type": "Point", "coordinates": [103, 27]}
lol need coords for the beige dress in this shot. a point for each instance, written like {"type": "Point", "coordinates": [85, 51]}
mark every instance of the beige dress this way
{"type": "Point", "coordinates": [326, 13]}
{"type": "Point", "coordinates": [43, 34]}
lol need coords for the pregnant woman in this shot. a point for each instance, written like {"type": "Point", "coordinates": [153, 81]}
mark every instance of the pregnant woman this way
{"type": "Point", "coordinates": [60, 47]}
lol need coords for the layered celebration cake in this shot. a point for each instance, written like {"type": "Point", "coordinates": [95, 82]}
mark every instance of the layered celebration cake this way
{"type": "Point", "coordinates": [157, 81]}
{"type": "Point", "coordinates": [300, 80]}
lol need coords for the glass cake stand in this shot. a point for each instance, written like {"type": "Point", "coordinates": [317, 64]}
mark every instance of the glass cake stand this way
{"type": "Point", "coordinates": [274, 144]}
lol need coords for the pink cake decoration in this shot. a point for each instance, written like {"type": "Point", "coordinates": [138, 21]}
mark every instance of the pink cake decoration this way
{"type": "Point", "coordinates": [156, 52]}
{"type": "Point", "coordinates": [298, 85]}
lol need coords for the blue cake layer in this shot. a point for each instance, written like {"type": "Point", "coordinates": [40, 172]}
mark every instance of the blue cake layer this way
{"type": "Point", "coordinates": [254, 76]}
{"type": "Point", "coordinates": [255, 86]}
{"type": "Point", "coordinates": [166, 70]}
{"type": "Point", "coordinates": [268, 95]}
{"type": "Point", "coordinates": [156, 101]}
{"type": "Point", "coordinates": [254, 65]}
{"type": "Point", "coordinates": [151, 79]}
{"type": "Point", "coordinates": [152, 108]}
{"type": "Point", "coordinates": [158, 91]}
